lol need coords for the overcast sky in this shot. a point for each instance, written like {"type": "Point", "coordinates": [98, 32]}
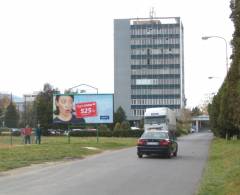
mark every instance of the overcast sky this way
{"type": "Point", "coordinates": [70, 42]}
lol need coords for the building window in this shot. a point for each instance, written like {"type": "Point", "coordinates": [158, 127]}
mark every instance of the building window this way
{"type": "Point", "coordinates": [148, 51]}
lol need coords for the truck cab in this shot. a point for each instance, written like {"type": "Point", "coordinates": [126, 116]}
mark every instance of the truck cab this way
{"type": "Point", "coordinates": [159, 119]}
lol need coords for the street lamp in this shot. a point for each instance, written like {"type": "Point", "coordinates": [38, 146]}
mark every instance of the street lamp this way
{"type": "Point", "coordinates": [208, 37]}
{"type": "Point", "coordinates": [84, 85]}
{"type": "Point", "coordinates": [212, 77]}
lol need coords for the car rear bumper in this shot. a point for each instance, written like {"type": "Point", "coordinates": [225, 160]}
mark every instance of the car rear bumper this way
{"type": "Point", "coordinates": [152, 150]}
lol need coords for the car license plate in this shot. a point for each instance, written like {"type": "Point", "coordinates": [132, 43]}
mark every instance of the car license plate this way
{"type": "Point", "coordinates": [152, 143]}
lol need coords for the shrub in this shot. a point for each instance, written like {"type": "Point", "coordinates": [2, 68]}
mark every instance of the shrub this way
{"type": "Point", "coordinates": [127, 133]}
{"type": "Point", "coordinates": [118, 133]}
{"type": "Point", "coordinates": [125, 125]}
{"type": "Point", "coordinates": [103, 127]}
{"type": "Point", "coordinates": [117, 126]}
{"type": "Point", "coordinates": [83, 133]}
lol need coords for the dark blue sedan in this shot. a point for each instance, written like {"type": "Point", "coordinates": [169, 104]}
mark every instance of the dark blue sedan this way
{"type": "Point", "coordinates": [158, 143]}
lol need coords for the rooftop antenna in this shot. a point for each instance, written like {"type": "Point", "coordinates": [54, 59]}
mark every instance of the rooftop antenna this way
{"type": "Point", "coordinates": [152, 13]}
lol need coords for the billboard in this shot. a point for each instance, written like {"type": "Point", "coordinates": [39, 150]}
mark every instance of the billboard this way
{"type": "Point", "coordinates": [82, 108]}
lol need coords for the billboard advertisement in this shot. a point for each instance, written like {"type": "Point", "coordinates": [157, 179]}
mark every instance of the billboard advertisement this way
{"type": "Point", "coordinates": [82, 108]}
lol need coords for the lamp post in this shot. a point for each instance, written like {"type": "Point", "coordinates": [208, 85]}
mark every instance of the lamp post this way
{"type": "Point", "coordinates": [218, 37]}
{"type": "Point", "coordinates": [209, 37]}
{"type": "Point", "coordinates": [212, 77]}
{"type": "Point", "coordinates": [84, 85]}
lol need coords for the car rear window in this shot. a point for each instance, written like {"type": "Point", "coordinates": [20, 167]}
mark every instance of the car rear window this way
{"type": "Point", "coordinates": [154, 135]}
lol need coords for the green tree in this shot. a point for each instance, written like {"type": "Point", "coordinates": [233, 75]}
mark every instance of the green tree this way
{"type": "Point", "coordinates": [225, 110]}
{"type": "Point", "coordinates": [29, 114]}
{"type": "Point", "coordinates": [44, 106]}
{"type": "Point", "coordinates": [1, 117]}
{"type": "Point", "coordinates": [213, 110]}
{"type": "Point", "coordinates": [228, 122]}
{"type": "Point", "coordinates": [4, 102]}
{"type": "Point", "coordinates": [196, 111]}
{"type": "Point", "coordinates": [233, 90]}
{"type": "Point", "coordinates": [119, 115]}
{"type": "Point", "coordinates": [11, 116]}
{"type": "Point", "coordinates": [184, 120]}
{"type": "Point", "coordinates": [1, 113]}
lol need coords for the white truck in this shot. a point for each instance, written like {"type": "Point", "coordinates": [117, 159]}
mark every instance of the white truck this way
{"type": "Point", "coordinates": [161, 118]}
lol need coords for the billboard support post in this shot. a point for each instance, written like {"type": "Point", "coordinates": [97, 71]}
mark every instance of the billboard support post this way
{"type": "Point", "coordinates": [97, 133]}
{"type": "Point", "coordinates": [68, 135]}
{"type": "Point", "coordinates": [11, 140]}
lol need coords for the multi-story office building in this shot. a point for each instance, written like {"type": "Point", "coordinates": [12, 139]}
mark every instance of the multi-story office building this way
{"type": "Point", "coordinates": [148, 64]}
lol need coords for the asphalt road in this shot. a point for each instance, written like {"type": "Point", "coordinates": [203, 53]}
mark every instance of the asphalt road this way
{"type": "Point", "coordinates": [115, 173]}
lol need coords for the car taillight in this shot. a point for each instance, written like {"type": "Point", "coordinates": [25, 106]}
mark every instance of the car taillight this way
{"type": "Point", "coordinates": [141, 142]}
{"type": "Point", "coordinates": [164, 142]}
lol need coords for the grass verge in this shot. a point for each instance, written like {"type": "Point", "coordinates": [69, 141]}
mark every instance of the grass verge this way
{"type": "Point", "coordinates": [54, 149]}
{"type": "Point", "coordinates": [222, 174]}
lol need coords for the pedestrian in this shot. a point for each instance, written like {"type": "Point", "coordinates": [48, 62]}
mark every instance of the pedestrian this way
{"type": "Point", "coordinates": [23, 135]}
{"type": "Point", "coordinates": [38, 134]}
{"type": "Point", "coordinates": [27, 133]}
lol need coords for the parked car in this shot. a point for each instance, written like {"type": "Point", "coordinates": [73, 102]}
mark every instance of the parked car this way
{"type": "Point", "coordinates": [135, 128]}
{"type": "Point", "coordinates": [16, 131]}
{"type": "Point", "coordinates": [158, 143]}
{"type": "Point", "coordinates": [192, 130]}
{"type": "Point", "coordinates": [66, 132]}
{"type": "Point", "coordinates": [55, 132]}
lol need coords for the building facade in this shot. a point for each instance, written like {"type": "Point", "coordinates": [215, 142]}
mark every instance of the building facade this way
{"type": "Point", "coordinates": [148, 65]}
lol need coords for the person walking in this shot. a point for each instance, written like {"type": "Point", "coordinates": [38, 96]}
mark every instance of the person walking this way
{"type": "Point", "coordinates": [38, 134]}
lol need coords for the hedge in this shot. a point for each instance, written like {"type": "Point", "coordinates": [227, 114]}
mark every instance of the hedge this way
{"type": "Point", "coordinates": [117, 133]}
